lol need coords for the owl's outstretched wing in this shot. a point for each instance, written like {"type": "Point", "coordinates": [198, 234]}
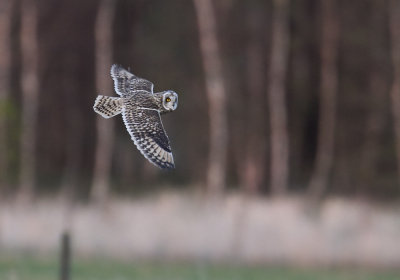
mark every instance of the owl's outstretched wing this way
{"type": "Point", "coordinates": [148, 134]}
{"type": "Point", "coordinates": [125, 82]}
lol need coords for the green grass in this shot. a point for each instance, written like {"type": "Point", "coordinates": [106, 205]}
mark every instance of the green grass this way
{"type": "Point", "coordinates": [39, 269]}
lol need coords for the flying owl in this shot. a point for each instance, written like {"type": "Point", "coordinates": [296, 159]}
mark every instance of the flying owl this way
{"type": "Point", "coordinates": [141, 109]}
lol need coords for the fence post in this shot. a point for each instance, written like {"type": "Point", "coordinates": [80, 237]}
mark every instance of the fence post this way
{"type": "Point", "coordinates": [65, 256]}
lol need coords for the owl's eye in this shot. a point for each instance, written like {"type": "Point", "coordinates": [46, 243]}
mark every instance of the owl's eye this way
{"type": "Point", "coordinates": [168, 99]}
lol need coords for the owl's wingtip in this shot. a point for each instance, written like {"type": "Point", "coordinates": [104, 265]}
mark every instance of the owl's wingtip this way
{"type": "Point", "coordinates": [114, 68]}
{"type": "Point", "coordinates": [166, 166]}
{"type": "Point", "coordinates": [171, 167]}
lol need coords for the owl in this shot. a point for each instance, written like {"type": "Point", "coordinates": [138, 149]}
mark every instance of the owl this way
{"type": "Point", "coordinates": [141, 109]}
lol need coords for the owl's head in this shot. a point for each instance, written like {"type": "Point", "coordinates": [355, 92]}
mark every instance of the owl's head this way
{"type": "Point", "coordinates": [170, 100]}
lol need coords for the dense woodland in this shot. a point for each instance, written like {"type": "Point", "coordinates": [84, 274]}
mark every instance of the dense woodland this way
{"type": "Point", "coordinates": [275, 97]}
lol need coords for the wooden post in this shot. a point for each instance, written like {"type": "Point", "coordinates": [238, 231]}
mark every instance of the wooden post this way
{"type": "Point", "coordinates": [65, 256]}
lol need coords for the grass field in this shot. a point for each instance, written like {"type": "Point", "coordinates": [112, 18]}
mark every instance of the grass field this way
{"type": "Point", "coordinates": [39, 269]}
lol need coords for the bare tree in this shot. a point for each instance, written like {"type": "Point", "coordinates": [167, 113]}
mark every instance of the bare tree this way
{"type": "Point", "coordinates": [376, 103]}
{"type": "Point", "coordinates": [327, 105]}
{"type": "Point", "coordinates": [5, 54]}
{"type": "Point", "coordinates": [277, 98]}
{"type": "Point", "coordinates": [76, 130]}
{"type": "Point", "coordinates": [29, 99]}
{"type": "Point", "coordinates": [394, 23]}
{"type": "Point", "coordinates": [105, 134]}
{"type": "Point", "coordinates": [216, 93]}
{"type": "Point", "coordinates": [254, 158]}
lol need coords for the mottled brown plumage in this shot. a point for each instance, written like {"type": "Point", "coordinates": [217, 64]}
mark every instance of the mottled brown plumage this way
{"type": "Point", "coordinates": [141, 109]}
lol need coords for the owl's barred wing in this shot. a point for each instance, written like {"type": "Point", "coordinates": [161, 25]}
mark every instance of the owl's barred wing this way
{"type": "Point", "coordinates": [147, 132]}
{"type": "Point", "coordinates": [125, 82]}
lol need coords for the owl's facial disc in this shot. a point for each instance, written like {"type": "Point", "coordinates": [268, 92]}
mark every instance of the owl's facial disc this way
{"type": "Point", "coordinates": [170, 100]}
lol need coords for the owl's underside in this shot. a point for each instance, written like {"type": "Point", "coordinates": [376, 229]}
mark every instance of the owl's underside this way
{"type": "Point", "coordinates": [140, 109]}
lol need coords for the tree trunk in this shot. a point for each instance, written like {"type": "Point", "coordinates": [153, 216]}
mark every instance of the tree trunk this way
{"type": "Point", "coordinates": [327, 105]}
{"type": "Point", "coordinates": [394, 23]}
{"type": "Point", "coordinates": [253, 168]}
{"type": "Point", "coordinates": [105, 128]}
{"type": "Point", "coordinates": [304, 86]}
{"type": "Point", "coordinates": [378, 97]}
{"type": "Point", "coordinates": [277, 99]}
{"type": "Point", "coordinates": [5, 63]}
{"type": "Point", "coordinates": [29, 99]}
{"type": "Point", "coordinates": [74, 127]}
{"type": "Point", "coordinates": [77, 77]}
{"type": "Point", "coordinates": [216, 93]}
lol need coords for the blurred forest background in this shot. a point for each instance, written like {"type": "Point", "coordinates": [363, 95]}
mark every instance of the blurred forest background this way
{"type": "Point", "coordinates": [277, 99]}
{"type": "Point", "coordinates": [275, 96]}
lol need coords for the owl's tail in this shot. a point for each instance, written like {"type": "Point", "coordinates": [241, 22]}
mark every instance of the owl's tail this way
{"type": "Point", "coordinates": [108, 106]}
